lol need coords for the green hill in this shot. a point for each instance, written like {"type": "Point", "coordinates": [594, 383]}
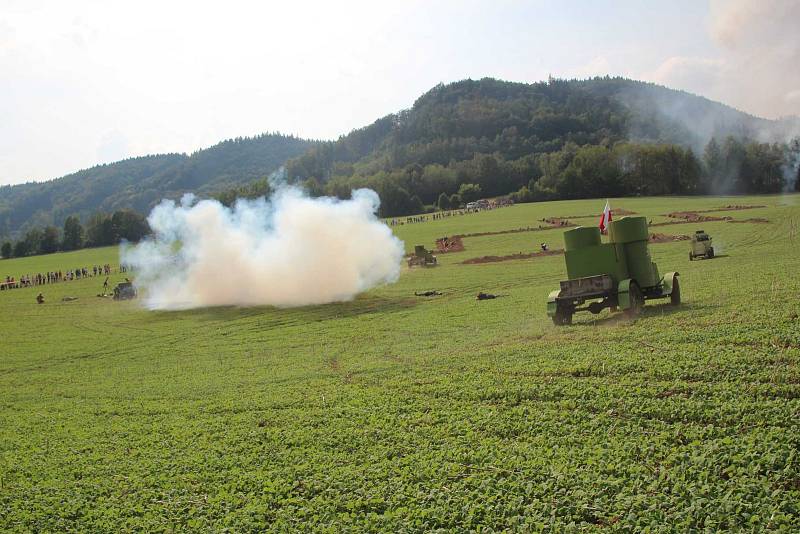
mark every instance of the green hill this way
{"type": "Point", "coordinates": [139, 183]}
{"type": "Point", "coordinates": [556, 139]}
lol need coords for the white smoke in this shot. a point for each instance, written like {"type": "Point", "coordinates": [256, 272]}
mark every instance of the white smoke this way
{"type": "Point", "coordinates": [756, 65]}
{"type": "Point", "coordinates": [290, 250]}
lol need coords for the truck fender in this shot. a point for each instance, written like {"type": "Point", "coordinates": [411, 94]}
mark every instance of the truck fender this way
{"type": "Point", "coordinates": [623, 297]}
{"type": "Point", "coordinates": [552, 303]}
{"type": "Point", "coordinates": [669, 278]}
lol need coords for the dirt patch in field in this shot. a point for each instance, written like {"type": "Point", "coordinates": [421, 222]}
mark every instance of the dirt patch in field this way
{"type": "Point", "coordinates": [732, 207]}
{"type": "Point", "coordinates": [694, 217]}
{"type": "Point", "coordinates": [667, 238]}
{"type": "Point", "coordinates": [449, 244]}
{"type": "Point", "coordinates": [614, 212]}
{"type": "Point", "coordinates": [757, 220]}
{"type": "Point", "coordinates": [518, 256]}
{"type": "Point", "coordinates": [558, 222]}
{"type": "Point", "coordinates": [539, 228]}
{"type": "Point", "coordinates": [691, 217]}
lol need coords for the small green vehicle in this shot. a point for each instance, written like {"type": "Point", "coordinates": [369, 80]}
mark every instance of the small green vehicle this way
{"type": "Point", "coordinates": [701, 246]}
{"type": "Point", "coordinates": [422, 258]}
{"type": "Point", "coordinates": [124, 291]}
{"type": "Point", "coordinates": [618, 274]}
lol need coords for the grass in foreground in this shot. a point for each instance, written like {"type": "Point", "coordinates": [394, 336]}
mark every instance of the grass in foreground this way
{"type": "Point", "coordinates": [394, 412]}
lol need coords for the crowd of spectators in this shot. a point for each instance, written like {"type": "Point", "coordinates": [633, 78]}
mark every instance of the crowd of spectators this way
{"type": "Point", "coordinates": [52, 277]}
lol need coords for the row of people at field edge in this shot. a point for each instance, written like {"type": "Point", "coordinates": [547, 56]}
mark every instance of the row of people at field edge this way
{"type": "Point", "coordinates": [443, 214]}
{"type": "Point", "coordinates": [51, 277]}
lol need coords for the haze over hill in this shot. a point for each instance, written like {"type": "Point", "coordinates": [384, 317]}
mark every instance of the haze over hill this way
{"type": "Point", "coordinates": [140, 183]}
{"type": "Point", "coordinates": [451, 126]}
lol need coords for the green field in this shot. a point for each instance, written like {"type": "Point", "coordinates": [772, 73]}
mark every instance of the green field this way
{"type": "Point", "coordinates": [401, 413]}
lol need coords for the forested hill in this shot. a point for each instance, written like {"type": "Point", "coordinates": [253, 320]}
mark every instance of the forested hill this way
{"type": "Point", "coordinates": [455, 121]}
{"type": "Point", "coordinates": [139, 183]}
{"type": "Point", "coordinates": [558, 139]}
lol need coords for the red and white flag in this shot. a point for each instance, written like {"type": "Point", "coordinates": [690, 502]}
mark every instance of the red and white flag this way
{"type": "Point", "coordinates": [605, 218]}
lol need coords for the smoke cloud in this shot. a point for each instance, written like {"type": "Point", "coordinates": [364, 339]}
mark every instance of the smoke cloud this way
{"type": "Point", "coordinates": [756, 68]}
{"type": "Point", "coordinates": [289, 250]}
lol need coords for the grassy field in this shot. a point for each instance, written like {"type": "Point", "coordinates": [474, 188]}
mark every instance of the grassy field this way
{"type": "Point", "coordinates": [401, 413]}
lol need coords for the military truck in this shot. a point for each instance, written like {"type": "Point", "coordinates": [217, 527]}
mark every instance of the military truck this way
{"type": "Point", "coordinates": [124, 291]}
{"type": "Point", "coordinates": [421, 258]}
{"type": "Point", "coordinates": [701, 246]}
{"type": "Point", "coordinates": [618, 274]}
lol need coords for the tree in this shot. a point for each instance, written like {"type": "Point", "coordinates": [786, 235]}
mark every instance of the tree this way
{"type": "Point", "coordinates": [128, 225]}
{"type": "Point", "coordinates": [6, 250]}
{"type": "Point", "coordinates": [20, 249]}
{"type": "Point", "coordinates": [73, 234]}
{"type": "Point", "coordinates": [33, 241]}
{"type": "Point", "coordinates": [443, 202]}
{"type": "Point", "coordinates": [99, 230]}
{"type": "Point", "coordinates": [469, 192]}
{"type": "Point", "coordinates": [49, 241]}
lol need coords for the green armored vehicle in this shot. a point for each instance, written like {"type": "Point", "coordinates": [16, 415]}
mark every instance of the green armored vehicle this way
{"type": "Point", "coordinates": [422, 257]}
{"type": "Point", "coordinates": [701, 246]}
{"type": "Point", "coordinates": [616, 274]}
{"type": "Point", "coordinates": [124, 291]}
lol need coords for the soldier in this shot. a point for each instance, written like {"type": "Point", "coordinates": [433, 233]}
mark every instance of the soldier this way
{"type": "Point", "coordinates": [40, 298]}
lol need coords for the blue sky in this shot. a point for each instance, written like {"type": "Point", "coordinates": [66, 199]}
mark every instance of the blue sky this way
{"type": "Point", "coordinates": [87, 82]}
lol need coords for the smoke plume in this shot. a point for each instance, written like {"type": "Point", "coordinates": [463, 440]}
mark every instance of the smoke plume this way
{"type": "Point", "coordinates": [756, 66]}
{"type": "Point", "coordinates": [289, 250]}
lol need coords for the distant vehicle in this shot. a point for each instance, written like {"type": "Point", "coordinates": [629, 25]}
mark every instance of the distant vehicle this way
{"type": "Point", "coordinates": [422, 258]}
{"type": "Point", "coordinates": [701, 246]}
{"type": "Point", "coordinates": [617, 274]}
{"type": "Point", "coordinates": [125, 291]}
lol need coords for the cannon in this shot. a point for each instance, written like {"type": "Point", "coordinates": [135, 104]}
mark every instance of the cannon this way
{"type": "Point", "coordinates": [701, 246]}
{"type": "Point", "coordinates": [618, 274]}
{"type": "Point", "coordinates": [421, 257]}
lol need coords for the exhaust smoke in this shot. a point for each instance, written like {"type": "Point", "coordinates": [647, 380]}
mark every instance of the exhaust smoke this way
{"type": "Point", "coordinates": [289, 250]}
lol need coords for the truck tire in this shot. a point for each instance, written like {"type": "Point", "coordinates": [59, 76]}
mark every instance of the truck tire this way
{"type": "Point", "coordinates": [675, 296]}
{"type": "Point", "coordinates": [710, 252]}
{"type": "Point", "coordinates": [691, 257]}
{"type": "Point", "coordinates": [563, 315]}
{"type": "Point", "coordinates": [637, 300]}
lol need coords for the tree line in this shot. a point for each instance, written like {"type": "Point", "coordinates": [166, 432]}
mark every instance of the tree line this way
{"type": "Point", "coordinates": [730, 166]}
{"type": "Point", "coordinates": [102, 229]}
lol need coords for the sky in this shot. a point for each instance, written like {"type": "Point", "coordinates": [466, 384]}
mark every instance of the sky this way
{"type": "Point", "coordinates": [87, 82]}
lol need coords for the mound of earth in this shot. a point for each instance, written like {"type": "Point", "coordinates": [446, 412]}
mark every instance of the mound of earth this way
{"type": "Point", "coordinates": [694, 216]}
{"type": "Point", "coordinates": [736, 207]}
{"type": "Point", "coordinates": [558, 222]}
{"type": "Point", "coordinates": [449, 244]}
{"type": "Point", "coordinates": [758, 220]}
{"type": "Point", "coordinates": [512, 231]}
{"type": "Point", "coordinates": [614, 212]}
{"type": "Point", "coordinates": [517, 256]}
{"type": "Point", "coordinates": [667, 238]}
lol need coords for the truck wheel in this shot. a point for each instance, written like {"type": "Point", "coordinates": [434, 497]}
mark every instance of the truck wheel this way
{"type": "Point", "coordinates": [675, 296]}
{"type": "Point", "coordinates": [691, 257]}
{"type": "Point", "coordinates": [563, 316]}
{"type": "Point", "coordinates": [710, 252]}
{"type": "Point", "coordinates": [637, 300]}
